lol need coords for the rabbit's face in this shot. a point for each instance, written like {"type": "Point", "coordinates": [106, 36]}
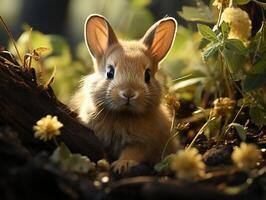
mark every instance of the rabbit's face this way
{"type": "Point", "coordinates": [128, 81]}
{"type": "Point", "coordinates": [126, 70]}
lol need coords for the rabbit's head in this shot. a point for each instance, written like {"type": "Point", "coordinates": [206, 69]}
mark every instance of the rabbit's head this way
{"type": "Point", "coordinates": [126, 70]}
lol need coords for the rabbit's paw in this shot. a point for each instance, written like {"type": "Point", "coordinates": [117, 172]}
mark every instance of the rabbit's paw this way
{"type": "Point", "coordinates": [122, 166]}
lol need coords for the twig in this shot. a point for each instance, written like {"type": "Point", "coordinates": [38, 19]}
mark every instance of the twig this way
{"type": "Point", "coordinates": [260, 3]}
{"type": "Point", "coordinates": [226, 71]}
{"type": "Point", "coordinates": [11, 37]}
{"type": "Point", "coordinates": [235, 118]}
{"type": "Point", "coordinates": [173, 121]}
{"type": "Point", "coordinates": [261, 37]}
{"type": "Point", "coordinates": [55, 141]}
{"type": "Point", "coordinates": [219, 16]}
{"type": "Point", "coordinates": [200, 132]}
{"type": "Point", "coordinates": [182, 77]}
{"type": "Point", "coordinates": [171, 137]}
{"type": "Point", "coordinates": [165, 146]}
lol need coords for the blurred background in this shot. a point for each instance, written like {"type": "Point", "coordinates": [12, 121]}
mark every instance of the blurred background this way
{"type": "Point", "coordinates": [57, 25]}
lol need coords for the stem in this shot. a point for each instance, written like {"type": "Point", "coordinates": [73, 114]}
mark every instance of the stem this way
{"type": "Point", "coordinates": [235, 85]}
{"type": "Point", "coordinates": [200, 132]}
{"type": "Point", "coordinates": [233, 121]}
{"type": "Point", "coordinates": [220, 136]}
{"type": "Point", "coordinates": [260, 3]}
{"type": "Point", "coordinates": [182, 77]}
{"type": "Point", "coordinates": [261, 37]}
{"type": "Point", "coordinates": [55, 141]}
{"type": "Point", "coordinates": [238, 113]}
{"type": "Point", "coordinates": [240, 91]}
{"type": "Point", "coordinates": [11, 38]}
{"type": "Point", "coordinates": [167, 143]}
{"type": "Point", "coordinates": [231, 3]}
{"type": "Point", "coordinates": [173, 121]}
{"type": "Point", "coordinates": [220, 16]}
{"type": "Point", "coordinates": [7, 61]}
{"type": "Point", "coordinates": [171, 137]}
{"type": "Point", "coordinates": [227, 82]}
{"type": "Point", "coordinates": [225, 72]}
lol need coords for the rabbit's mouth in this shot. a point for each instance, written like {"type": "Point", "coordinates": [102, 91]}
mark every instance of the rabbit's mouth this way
{"type": "Point", "coordinates": [129, 107]}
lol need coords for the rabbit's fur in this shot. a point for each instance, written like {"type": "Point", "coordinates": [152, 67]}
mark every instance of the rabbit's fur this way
{"type": "Point", "coordinates": [125, 111]}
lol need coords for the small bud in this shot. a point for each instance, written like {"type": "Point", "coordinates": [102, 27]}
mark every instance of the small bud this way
{"type": "Point", "coordinates": [223, 107]}
{"type": "Point", "coordinates": [172, 101]}
{"type": "Point", "coordinates": [103, 165]}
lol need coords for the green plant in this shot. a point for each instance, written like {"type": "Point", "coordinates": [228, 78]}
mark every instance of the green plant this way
{"type": "Point", "coordinates": [232, 73]}
{"type": "Point", "coordinates": [232, 63]}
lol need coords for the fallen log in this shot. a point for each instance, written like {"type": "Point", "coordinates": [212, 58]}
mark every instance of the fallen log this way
{"type": "Point", "coordinates": [23, 102]}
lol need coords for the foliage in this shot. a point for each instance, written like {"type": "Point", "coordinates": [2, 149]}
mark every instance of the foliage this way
{"type": "Point", "coordinates": [233, 66]}
{"type": "Point", "coordinates": [164, 165]}
{"type": "Point", "coordinates": [72, 162]}
{"type": "Point", "coordinates": [44, 53]}
{"type": "Point", "coordinates": [200, 13]}
{"type": "Point", "coordinates": [228, 67]}
{"type": "Point", "coordinates": [242, 132]}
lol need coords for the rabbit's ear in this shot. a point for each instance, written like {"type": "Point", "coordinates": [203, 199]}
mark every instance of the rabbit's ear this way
{"type": "Point", "coordinates": [159, 38]}
{"type": "Point", "coordinates": [99, 35]}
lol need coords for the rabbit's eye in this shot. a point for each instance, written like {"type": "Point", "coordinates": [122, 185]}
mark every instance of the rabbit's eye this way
{"type": "Point", "coordinates": [110, 72]}
{"type": "Point", "coordinates": [147, 75]}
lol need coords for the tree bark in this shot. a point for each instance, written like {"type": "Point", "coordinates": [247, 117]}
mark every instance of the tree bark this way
{"type": "Point", "coordinates": [23, 102]}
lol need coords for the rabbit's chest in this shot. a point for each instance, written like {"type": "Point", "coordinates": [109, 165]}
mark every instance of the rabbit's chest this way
{"type": "Point", "coordinates": [117, 134]}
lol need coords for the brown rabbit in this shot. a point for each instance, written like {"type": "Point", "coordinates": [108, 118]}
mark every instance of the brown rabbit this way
{"type": "Point", "coordinates": [121, 100]}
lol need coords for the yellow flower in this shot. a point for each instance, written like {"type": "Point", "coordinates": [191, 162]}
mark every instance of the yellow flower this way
{"type": "Point", "coordinates": [239, 23]}
{"type": "Point", "coordinates": [188, 164]}
{"type": "Point", "coordinates": [47, 128]}
{"type": "Point", "coordinates": [219, 3]}
{"type": "Point", "coordinates": [246, 156]}
{"type": "Point", "coordinates": [223, 107]}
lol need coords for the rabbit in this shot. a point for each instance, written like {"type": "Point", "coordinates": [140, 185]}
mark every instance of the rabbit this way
{"type": "Point", "coordinates": [121, 100]}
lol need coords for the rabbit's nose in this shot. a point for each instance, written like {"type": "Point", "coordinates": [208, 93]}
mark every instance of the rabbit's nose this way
{"type": "Point", "coordinates": [128, 94]}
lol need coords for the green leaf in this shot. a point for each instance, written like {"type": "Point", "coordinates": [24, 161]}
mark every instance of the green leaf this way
{"type": "Point", "coordinates": [78, 163]}
{"type": "Point", "coordinates": [30, 40]}
{"type": "Point", "coordinates": [186, 83]}
{"type": "Point", "coordinates": [260, 66]}
{"type": "Point", "coordinates": [242, 132]}
{"type": "Point", "coordinates": [207, 33]}
{"type": "Point", "coordinates": [236, 45]}
{"type": "Point", "coordinates": [61, 153]}
{"type": "Point", "coordinates": [257, 115]}
{"type": "Point", "coordinates": [225, 29]}
{"type": "Point", "coordinates": [241, 2]}
{"type": "Point", "coordinates": [210, 51]}
{"type": "Point", "coordinates": [254, 81]}
{"type": "Point", "coordinates": [200, 13]}
{"type": "Point", "coordinates": [203, 43]}
{"type": "Point", "coordinates": [164, 166]}
{"type": "Point", "coordinates": [233, 59]}
{"type": "Point", "coordinates": [61, 52]}
{"type": "Point", "coordinates": [72, 162]}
